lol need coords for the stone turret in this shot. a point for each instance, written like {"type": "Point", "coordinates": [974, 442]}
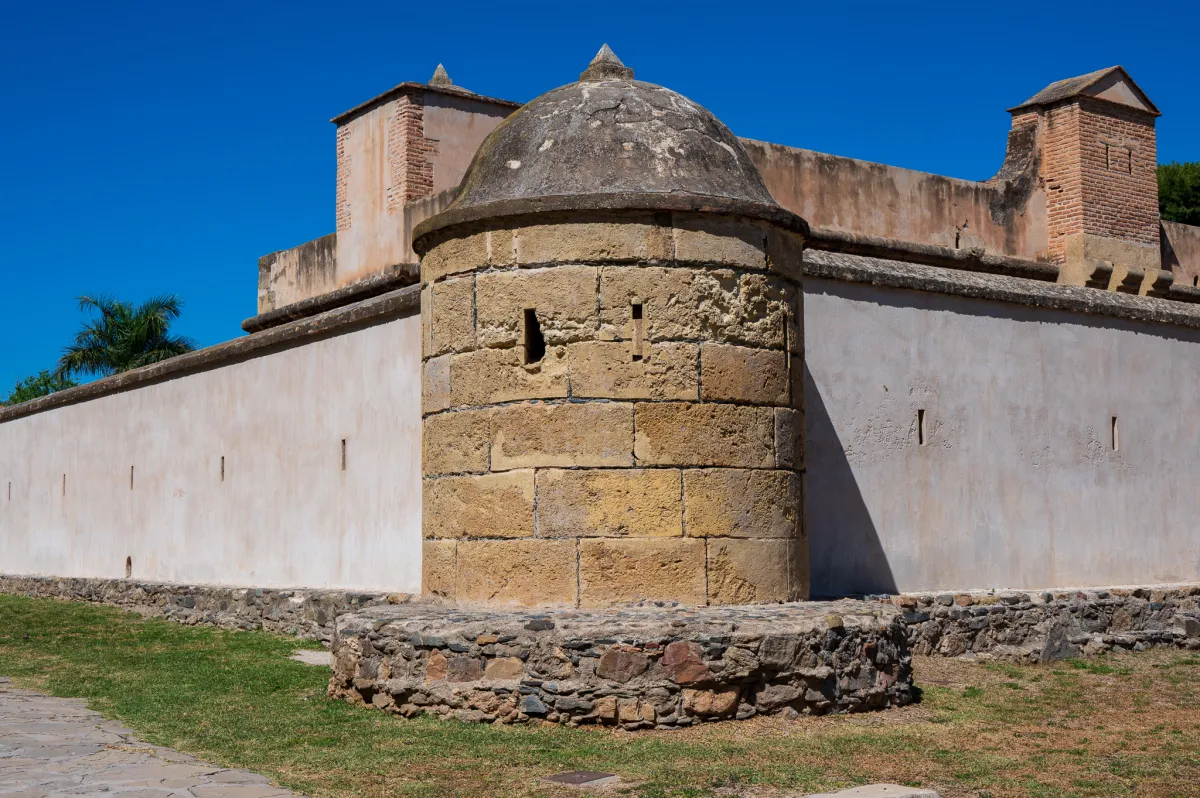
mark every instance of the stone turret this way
{"type": "Point", "coordinates": [612, 366]}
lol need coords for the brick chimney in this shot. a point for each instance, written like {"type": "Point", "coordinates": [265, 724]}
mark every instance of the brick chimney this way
{"type": "Point", "coordinates": [1098, 159]}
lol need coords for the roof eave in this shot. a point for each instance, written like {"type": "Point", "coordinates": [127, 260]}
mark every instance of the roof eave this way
{"type": "Point", "coordinates": [412, 87]}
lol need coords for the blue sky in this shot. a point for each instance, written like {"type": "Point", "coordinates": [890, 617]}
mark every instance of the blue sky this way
{"type": "Point", "coordinates": [163, 147]}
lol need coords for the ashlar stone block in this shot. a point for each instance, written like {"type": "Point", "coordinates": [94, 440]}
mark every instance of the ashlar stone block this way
{"type": "Point", "coordinates": [456, 442]}
{"type": "Point", "coordinates": [438, 566]}
{"type": "Point", "coordinates": [720, 241]}
{"type": "Point", "coordinates": [591, 242]}
{"type": "Point", "coordinates": [489, 376]}
{"type": "Point", "coordinates": [435, 384]}
{"type": "Point", "coordinates": [452, 317]}
{"type": "Point", "coordinates": [608, 369]}
{"type": "Point", "coordinates": [610, 503]}
{"type": "Point", "coordinates": [743, 503]}
{"type": "Point", "coordinates": [426, 320]}
{"type": "Point", "coordinates": [769, 314]}
{"type": "Point", "coordinates": [785, 251]}
{"type": "Point", "coordinates": [529, 573]}
{"type": "Point", "coordinates": [744, 374]}
{"type": "Point", "coordinates": [677, 302]}
{"type": "Point", "coordinates": [618, 571]}
{"type": "Point", "coordinates": [789, 438]}
{"type": "Point", "coordinates": [563, 299]}
{"type": "Point", "coordinates": [749, 571]}
{"type": "Point", "coordinates": [478, 506]}
{"type": "Point", "coordinates": [574, 434]}
{"type": "Point", "coordinates": [686, 433]}
{"type": "Point", "coordinates": [455, 256]}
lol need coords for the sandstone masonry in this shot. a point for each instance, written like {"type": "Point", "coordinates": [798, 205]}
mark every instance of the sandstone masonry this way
{"type": "Point", "coordinates": [609, 408]}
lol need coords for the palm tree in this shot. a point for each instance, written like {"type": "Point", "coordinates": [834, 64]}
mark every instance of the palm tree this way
{"type": "Point", "coordinates": [123, 337]}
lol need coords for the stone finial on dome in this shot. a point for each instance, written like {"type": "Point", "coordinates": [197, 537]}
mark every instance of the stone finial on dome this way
{"type": "Point", "coordinates": [440, 77]}
{"type": "Point", "coordinates": [606, 66]}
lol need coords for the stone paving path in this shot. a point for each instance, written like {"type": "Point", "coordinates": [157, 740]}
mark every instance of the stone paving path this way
{"type": "Point", "coordinates": [58, 747]}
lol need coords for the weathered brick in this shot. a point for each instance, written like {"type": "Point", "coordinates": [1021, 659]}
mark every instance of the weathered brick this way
{"type": "Point", "coordinates": [591, 242]}
{"type": "Point", "coordinates": [488, 376]}
{"type": "Point", "coordinates": [452, 318]}
{"type": "Point", "coordinates": [744, 503]}
{"type": "Point", "coordinates": [607, 369]}
{"type": "Point", "coordinates": [744, 374]}
{"type": "Point", "coordinates": [456, 442]}
{"type": "Point", "coordinates": [438, 558]}
{"type": "Point", "coordinates": [618, 571]}
{"type": "Point", "coordinates": [589, 434]}
{"type": "Point", "coordinates": [562, 297]}
{"type": "Point", "coordinates": [749, 571]}
{"type": "Point", "coordinates": [526, 573]}
{"type": "Point", "coordinates": [454, 256]}
{"type": "Point", "coordinates": [435, 384]}
{"type": "Point", "coordinates": [725, 242]}
{"type": "Point", "coordinates": [685, 433]}
{"type": "Point", "coordinates": [478, 506]}
{"type": "Point", "coordinates": [609, 503]}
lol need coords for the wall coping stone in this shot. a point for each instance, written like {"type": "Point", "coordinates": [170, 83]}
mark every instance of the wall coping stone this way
{"type": "Point", "coordinates": [402, 276]}
{"type": "Point", "coordinates": [890, 273]}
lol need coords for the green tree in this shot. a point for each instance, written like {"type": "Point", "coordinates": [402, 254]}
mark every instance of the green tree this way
{"type": "Point", "coordinates": [1179, 192]}
{"type": "Point", "coordinates": [120, 336]}
{"type": "Point", "coordinates": [43, 383]}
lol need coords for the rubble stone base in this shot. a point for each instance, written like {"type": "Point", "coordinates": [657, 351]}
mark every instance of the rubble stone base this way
{"type": "Point", "coordinates": [657, 666]}
{"type": "Point", "coordinates": [308, 614]}
{"type": "Point", "coordinates": [1043, 626]}
{"type": "Point", "coordinates": [639, 668]}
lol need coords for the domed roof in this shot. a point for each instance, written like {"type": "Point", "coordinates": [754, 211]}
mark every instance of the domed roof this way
{"type": "Point", "coordinates": [609, 142]}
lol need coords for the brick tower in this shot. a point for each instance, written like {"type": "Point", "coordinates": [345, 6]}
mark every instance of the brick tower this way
{"type": "Point", "coordinates": [612, 372]}
{"type": "Point", "coordinates": [1098, 162]}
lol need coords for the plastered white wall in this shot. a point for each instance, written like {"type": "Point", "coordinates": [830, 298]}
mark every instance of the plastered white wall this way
{"type": "Point", "coordinates": [286, 514]}
{"type": "Point", "coordinates": [1017, 484]}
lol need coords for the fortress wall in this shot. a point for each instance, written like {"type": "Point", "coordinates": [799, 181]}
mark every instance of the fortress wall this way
{"type": "Point", "coordinates": [285, 512]}
{"type": "Point", "coordinates": [1017, 483]}
{"type": "Point", "coordinates": [312, 269]}
{"type": "Point", "coordinates": [848, 195]}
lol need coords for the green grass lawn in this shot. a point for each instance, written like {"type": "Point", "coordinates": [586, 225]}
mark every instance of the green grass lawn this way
{"type": "Point", "coordinates": [1118, 726]}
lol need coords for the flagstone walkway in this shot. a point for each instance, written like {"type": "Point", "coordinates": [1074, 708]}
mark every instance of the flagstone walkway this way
{"type": "Point", "coordinates": [58, 747]}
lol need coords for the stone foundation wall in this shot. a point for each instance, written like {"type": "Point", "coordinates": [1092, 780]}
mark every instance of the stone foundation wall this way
{"type": "Point", "coordinates": [1042, 626]}
{"type": "Point", "coordinates": [613, 413]}
{"type": "Point", "coordinates": [636, 668]}
{"type": "Point", "coordinates": [308, 614]}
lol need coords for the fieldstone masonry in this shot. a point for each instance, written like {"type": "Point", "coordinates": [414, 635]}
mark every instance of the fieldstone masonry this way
{"type": "Point", "coordinates": [1045, 626]}
{"type": "Point", "coordinates": [658, 665]}
{"type": "Point", "coordinates": [666, 667]}
{"type": "Point", "coordinates": [309, 614]}
{"type": "Point", "coordinates": [639, 668]}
